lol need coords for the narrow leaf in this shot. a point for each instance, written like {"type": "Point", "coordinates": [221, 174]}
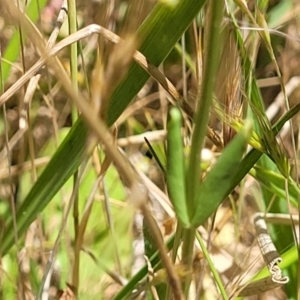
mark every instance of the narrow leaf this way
{"type": "Point", "coordinates": [176, 168]}
{"type": "Point", "coordinates": [221, 176]}
{"type": "Point", "coordinates": [51, 180]}
{"type": "Point", "coordinates": [275, 183]}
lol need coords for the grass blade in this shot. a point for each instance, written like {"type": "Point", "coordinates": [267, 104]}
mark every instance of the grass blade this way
{"type": "Point", "coordinates": [176, 168]}
{"type": "Point", "coordinates": [51, 180]}
{"type": "Point", "coordinates": [222, 175]}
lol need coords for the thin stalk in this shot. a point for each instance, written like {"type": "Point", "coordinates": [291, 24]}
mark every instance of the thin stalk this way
{"type": "Point", "coordinates": [75, 273]}
{"type": "Point", "coordinates": [111, 227]}
{"type": "Point", "coordinates": [72, 19]}
{"type": "Point", "coordinates": [187, 58]}
{"type": "Point", "coordinates": [204, 101]}
{"type": "Point", "coordinates": [173, 278]}
{"type": "Point", "coordinates": [54, 250]}
{"type": "Point", "coordinates": [154, 260]}
{"type": "Point", "coordinates": [187, 256]}
{"type": "Point", "coordinates": [81, 231]}
{"type": "Point", "coordinates": [12, 200]}
{"type": "Point", "coordinates": [20, 155]}
{"type": "Point", "coordinates": [177, 241]}
{"type": "Point", "coordinates": [217, 278]}
{"type": "Point", "coordinates": [183, 60]}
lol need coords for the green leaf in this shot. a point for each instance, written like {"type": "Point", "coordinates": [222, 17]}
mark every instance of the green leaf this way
{"type": "Point", "coordinates": [221, 176]}
{"type": "Point", "coordinates": [254, 155]}
{"type": "Point", "coordinates": [176, 168]}
{"type": "Point", "coordinates": [160, 32]}
{"type": "Point", "coordinates": [275, 183]}
{"type": "Point", "coordinates": [51, 180]}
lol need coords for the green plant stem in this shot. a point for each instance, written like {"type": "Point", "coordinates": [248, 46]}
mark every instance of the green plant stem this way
{"type": "Point", "coordinates": [177, 242]}
{"type": "Point", "coordinates": [173, 277]}
{"type": "Point", "coordinates": [72, 20]}
{"type": "Point", "coordinates": [204, 101]}
{"type": "Point", "coordinates": [154, 260]}
{"type": "Point", "coordinates": [187, 256]}
{"type": "Point", "coordinates": [212, 267]}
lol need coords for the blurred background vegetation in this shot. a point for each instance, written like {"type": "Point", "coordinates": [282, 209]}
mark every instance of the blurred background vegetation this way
{"type": "Point", "coordinates": [87, 132]}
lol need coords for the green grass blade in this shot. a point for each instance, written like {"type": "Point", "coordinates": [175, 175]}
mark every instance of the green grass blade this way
{"type": "Point", "coordinates": [221, 176]}
{"type": "Point", "coordinates": [254, 155]}
{"type": "Point", "coordinates": [289, 258]}
{"type": "Point", "coordinates": [275, 183]}
{"type": "Point", "coordinates": [150, 249]}
{"type": "Point", "coordinates": [204, 101]}
{"type": "Point", "coordinates": [72, 20]}
{"type": "Point", "coordinates": [156, 157]}
{"type": "Point", "coordinates": [51, 180]}
{"type": "Point", "coordinates": [176, 168]}
{"type": "Point", "coordinates": [134, 281]}
{"type": "Point", "coordinates": [212, 267]}
{"type": "Point", "coordinates": [160, 32]}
